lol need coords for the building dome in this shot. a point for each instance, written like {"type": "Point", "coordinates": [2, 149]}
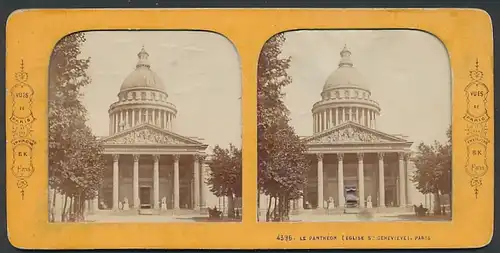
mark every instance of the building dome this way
{"type": "Point", "coordinates": [143, 76]}
{"type": "Point", "coordinates": [345, 98]}
{"type": "Point", "coordinates": [142, 99]}
{"type": "Point", "coordinates": [345, 75]}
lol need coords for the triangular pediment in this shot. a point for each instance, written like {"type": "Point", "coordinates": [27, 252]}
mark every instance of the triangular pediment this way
{"type": "Point", "coordinates": [350, 132]}
{"type": "Point", "coordinates": [149, 134]}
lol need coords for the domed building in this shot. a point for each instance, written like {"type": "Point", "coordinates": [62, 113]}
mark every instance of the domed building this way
{"type": "Point", "coordinates": [149, 167]}
{"type": "Point", "coordinates": [355, 165]}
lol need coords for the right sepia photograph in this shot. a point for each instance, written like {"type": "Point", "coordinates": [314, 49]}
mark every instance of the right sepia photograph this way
{"type": "Point", "coordinates": [354, 125]}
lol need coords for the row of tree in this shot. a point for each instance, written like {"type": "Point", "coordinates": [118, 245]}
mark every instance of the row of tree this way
{"type": "Point", "coordinates": [282, 164]}
{"type": "Point", "coordinates": [225, 176]}
{"type": "Point", "coordinates": [433, 170]}
{"type": "Point", "coordinates": [76, 164]}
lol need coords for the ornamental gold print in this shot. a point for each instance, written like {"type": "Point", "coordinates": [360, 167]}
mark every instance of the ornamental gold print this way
{"type": "Point", "coordinates": [477, 118]}
{"type": "Point", "coordinates": [22, 119]}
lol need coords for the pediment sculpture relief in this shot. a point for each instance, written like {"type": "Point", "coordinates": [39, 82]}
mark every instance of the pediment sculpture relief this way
{"type": "Point", "coordinates": [145, 136]}
{"type": "Point", "coordinates": [348, 134]}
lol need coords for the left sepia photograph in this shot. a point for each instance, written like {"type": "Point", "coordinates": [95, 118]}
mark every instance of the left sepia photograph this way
{"type": "Point", "coordinates": [135, 133]}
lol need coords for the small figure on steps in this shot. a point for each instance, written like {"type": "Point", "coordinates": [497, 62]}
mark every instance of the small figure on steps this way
{"type": "Point", "coordinates": [164, 203]}
{"type": "Point", "coordinates": [126, 206]}
{"type": "Point", "coordinates": [369, 202]}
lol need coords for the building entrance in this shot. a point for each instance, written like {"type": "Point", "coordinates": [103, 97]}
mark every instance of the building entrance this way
{"type": "Point", "coordinates": [145, 196]}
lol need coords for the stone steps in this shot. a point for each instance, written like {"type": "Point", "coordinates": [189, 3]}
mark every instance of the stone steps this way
{"type": "Point", "coordinates": [352, 210]}
{"type": "Point", "coordinates": [147, 211]}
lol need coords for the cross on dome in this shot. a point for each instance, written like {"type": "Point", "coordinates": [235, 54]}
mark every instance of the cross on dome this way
{"type": "Point", "coordinates": [143, 58]}
{"type": "Point", "coordinates": [345, 55]}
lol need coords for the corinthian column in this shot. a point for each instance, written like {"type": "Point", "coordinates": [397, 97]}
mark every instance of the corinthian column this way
{"type": "Point", "coordinates": [127, 124]}
{"type": "Point", "coordinates": [204, 187]}
{"type": "Point", "coordinates": [164, 113]}
{"type": "Point", "coordinates": [325, 121]}
{"type": "Point", "coordinates": [361, 180]}
{"type": "Point", "coordinates": [340, 178]}
{"type": "Point", "coordinates": [115, 182]}
{"type": "Point", "coordinates": [121, 120]}
{"type": "Point", "coordinates": [176, 181]}
{"type": "Point", "coordinates": [156, 182]}
{"type": "Point", "coordinates": [115, 121]}
{"type": "Point", "coordinates": [314, 123]}
{"type": "Point", "coordinates": [336, 116]}
{"type": "Point", "coordinates": [381, 180]}
{"type": "Point", "coordinates": [135, 185]}
{"type": "Point", "coordinates": [358, 115]}
{"type": "Point", "coordinates": [402, 180]}
{"type": "Point", "coordinates": [140, 117]}
{"type": "Point", "coordinates": [363, 117]}
{"type": "Point", "coordinates": [153, 116]}
{"type": "Point", "coordinates": [331, 123]}
{"type": "Point", "coordinates": [320, 180]}
{"type": "Point", "coordinates": [343, 114]}
{"type": "Point", "coordinates": [196, 175]}
{"type": "Point", "coordinates": [133, 118]}
{"type": "Point", "coordinates": [409, 170]}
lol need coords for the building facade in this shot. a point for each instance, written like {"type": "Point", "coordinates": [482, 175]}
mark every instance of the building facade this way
{"type": "Point", "coordinates": [149, 165]}
{"type": "Point", "coordinates": [352, 161]}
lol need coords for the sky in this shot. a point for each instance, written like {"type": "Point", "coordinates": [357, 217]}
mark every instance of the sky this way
{"type": "Point", "coordinates": [200, 70]}
{"type": "Point", "coordinates": [408, 73]}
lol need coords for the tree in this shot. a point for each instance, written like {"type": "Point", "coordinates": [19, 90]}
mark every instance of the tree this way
{"type": "Point", "coordinates": [75, 160]}
{"type": "Point", "coordinates": [283, 166]}
{"type": "Point", "coordinates": [225, 175]}
{"type": "Point", "coordinates": [433, 169]}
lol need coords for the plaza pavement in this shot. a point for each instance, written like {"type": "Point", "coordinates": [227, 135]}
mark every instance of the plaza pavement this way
{"type": "Point", "coordinates": [304, 217]}
{"type": "Point", "coordinates": [376, 217]}
{"type": "Point", "coordinates": [136, 218]}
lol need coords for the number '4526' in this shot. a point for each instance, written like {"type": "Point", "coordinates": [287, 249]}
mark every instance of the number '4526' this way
{"type": "Point", "coordinates": [284, 238]}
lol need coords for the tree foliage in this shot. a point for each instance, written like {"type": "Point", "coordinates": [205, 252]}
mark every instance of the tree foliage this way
{"type": "Point", "coordinates": [433, 167]}
{"type": "Point", "coordinates": [225, 177]}
{"type": "Point", "coordinates": [75, 161]}
{"type": "Point", "coordinates": [282, 163]}
{"type": "Point", "coordinates": [225, 171]}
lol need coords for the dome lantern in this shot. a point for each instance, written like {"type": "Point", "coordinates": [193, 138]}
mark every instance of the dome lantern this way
{"type": "Point", "coordinates": [345, 55]}
{"type": "Point", "coordinates": [143, 77]}
{"type": "Point", "coordinates": [143, 59]}
{"type": "Point", "coordinates": [345, 75]}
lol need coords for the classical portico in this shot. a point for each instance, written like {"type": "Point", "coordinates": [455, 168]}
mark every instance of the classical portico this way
{"type": "Point", "coordinates": [148, 164]}
{"type": "Point", "coordinates": [376, 170]}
